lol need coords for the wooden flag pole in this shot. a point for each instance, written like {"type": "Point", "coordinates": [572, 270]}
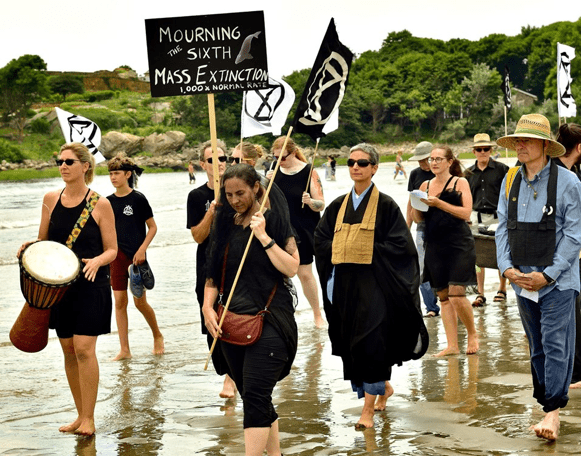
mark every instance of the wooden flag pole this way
{"type": "Point", "coordinates": [505, 131]}
{"type": "Point", "coordinates": [264, 199]}
{"type": "Point", "coordinates": [214, 141]}
{"type": "Point", "coordinates": [311, 171]}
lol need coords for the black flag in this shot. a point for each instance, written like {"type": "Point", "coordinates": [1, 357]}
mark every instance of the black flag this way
{"type": "Point", "coordinates": [505, 86]}
{"type": "Point", "coordinates": [325, 87]}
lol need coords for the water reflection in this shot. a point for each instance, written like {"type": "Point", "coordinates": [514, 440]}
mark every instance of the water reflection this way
{"type": "Point", "coordinates": [137, 414]}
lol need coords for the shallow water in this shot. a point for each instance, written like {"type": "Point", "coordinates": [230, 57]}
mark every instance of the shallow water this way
{"type": "Point", "coordinates": [463, 405]}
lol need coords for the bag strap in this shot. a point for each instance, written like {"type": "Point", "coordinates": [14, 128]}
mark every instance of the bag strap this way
{"type": "Point", "coordinates": [272, 293]}
{"type": "Point", "coordinates": [82, 220]}
{"type": "Point", "coordinates": [510, 175]}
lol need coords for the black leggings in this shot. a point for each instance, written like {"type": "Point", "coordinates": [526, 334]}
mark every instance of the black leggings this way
{"type": "Point", "coordinates": [255, 369]}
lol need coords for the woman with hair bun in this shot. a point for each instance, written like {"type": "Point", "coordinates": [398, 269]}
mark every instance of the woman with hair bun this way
{"type": "Point", "coordinates": [450, 260]}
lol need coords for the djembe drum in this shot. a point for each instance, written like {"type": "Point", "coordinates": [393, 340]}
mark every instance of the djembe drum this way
{"type": "Point", "coordinates": [47, 270]}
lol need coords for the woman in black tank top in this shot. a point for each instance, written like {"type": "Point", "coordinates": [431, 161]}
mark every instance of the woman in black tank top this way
{"type": "Point", "coordinates": [304, 195]}
{"type": "Point", "coordinates": [85, 310]}
{"type": "Point", "coordinates": [450, 259]}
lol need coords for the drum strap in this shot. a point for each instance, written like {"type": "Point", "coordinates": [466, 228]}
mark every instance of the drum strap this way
{"type": "Point", "coordinates": [91, 203]}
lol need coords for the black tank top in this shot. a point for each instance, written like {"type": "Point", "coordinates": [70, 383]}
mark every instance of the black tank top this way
{"type": "Point", "coordinates": [89, 243]}
{"type": "Point", "coordinates": [303, 219]}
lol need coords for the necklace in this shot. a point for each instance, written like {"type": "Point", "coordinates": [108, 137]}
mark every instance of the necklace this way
{"type": "Point", "coordinates": [531, 187]}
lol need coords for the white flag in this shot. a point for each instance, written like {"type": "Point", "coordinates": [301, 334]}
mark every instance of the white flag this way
{"type": "Point", "coordinates": [333, 122]}
{"type": "Point", "coordinates": [565, 101]}
{"type": "Point", "coordinates": [80, 129]}
{"type": "Point", "coordinates": [266, 110]}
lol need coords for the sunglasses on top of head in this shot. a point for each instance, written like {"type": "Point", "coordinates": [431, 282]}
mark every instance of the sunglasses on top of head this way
{"type": "Point", "coordinates": [67, 161]}
{"type": "Point", "coordinates": [482, 149]}
{"type": "Point", "coordinates": [362, 163]}
{"type": "Point", "coordinates": [221, 158]}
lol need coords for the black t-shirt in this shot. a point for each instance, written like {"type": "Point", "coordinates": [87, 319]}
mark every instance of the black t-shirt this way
{"type": "Point", "coordinates": [199, 201]}
{"type": "Point", "coordinates": [417, 177]}
{"type": "Point", "coordinates": [131, 212]}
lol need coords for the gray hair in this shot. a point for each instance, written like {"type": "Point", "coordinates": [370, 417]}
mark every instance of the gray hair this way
{"type": "Point", "coordinates": [369, 150]}
{"type": "Point", "coordinates": [219, 144]}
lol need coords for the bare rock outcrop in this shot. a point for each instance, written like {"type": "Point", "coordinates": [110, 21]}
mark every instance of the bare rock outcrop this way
{"type": "Point", "coordinates": [114, 142]}
{"type": "Point", "coordinates": [164, 143]}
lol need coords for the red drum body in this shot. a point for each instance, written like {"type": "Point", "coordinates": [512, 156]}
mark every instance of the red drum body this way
{"type": "Point", "coordinates": [47, 270]}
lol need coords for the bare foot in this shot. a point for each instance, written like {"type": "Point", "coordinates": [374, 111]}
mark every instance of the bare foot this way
{"type": "Point", "coordinates": [366, 420]}
{"type": "Point", "coordinates": [228, 389]}
{"type": "Point", "coordinates": [473, 344]}
{"type": "Point", "coordinates": [71, 427]}
{"type": "Point", "coordinates": [447, 352]}
{"type": "Point", "coordinates": [548, 428]}
{"type": "Point", "coordinates": [319, 321]}
{"type": "Point", "coordinates": [158, 346]}
{"type": "Point", "coordinates": [87, 427]}
{"type": "Point", "coordinates": [576, 385]}
{"type": "Point", "coordinates": [122, 355]}
{"type": "Point", "coordinates": [381, 400]}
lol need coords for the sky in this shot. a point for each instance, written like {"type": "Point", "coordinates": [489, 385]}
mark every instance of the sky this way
{"type": "Point", "coordinates": [73, 35]}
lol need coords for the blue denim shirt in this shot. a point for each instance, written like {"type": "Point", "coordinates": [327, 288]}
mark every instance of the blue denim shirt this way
{"type": "Point", "coordinates": [565, 267]}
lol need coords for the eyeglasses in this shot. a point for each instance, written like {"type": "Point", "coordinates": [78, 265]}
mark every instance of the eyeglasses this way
{"type": "Point", "coordinates": [68, 162]}
{"type": "Point", "coordinates": [221, 158]}
{"type": "Point", "coordinates": [436, 159]}
{"type": "Point", "coordinates": [235, 160]}
{"type": "Point", "coordinates": [482, 149]}
{"type": "Point", "coordinates": [283, 157]}
{"type": "Point", "coordinates": [362, 163]}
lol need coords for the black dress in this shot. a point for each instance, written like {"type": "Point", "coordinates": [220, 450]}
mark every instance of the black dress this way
{"type": "Point", "coordinates": [303, 219]}
{"type": "Point", "coordinates": [86, 306]}
{"type": "Point", "coordinates": [450, 256]}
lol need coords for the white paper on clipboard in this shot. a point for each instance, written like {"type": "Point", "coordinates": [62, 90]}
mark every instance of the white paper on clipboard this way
{"type": "Point", "coordinates": [415, 197]}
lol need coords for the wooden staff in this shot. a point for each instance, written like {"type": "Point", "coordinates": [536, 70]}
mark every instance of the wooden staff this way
{"type": "Point", "coordinates": [311, 171]}
{"type": "Point", "coordinates": [264, 199]}
{"type": "Point", "coordinates": [214, 141]}
{"type": "Point", "coordinates": [505, 131]}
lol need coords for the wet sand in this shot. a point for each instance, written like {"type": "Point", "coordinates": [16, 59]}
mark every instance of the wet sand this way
{"type": "Point", "coordinates": [462, 405]}
{"type": "Point", "coordinates": [167, 405]}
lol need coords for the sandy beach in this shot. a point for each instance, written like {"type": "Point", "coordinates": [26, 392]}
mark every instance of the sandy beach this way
{"type": "Point", "coordinates": [168, 405]}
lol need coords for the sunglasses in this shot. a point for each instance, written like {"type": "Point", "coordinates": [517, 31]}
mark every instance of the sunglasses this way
{"type": "Point", "coordinates": [283, 157]}
{"type": "Point", "coordinates": [235, 160]}
{"type": "Point", "coordinates": [362, 163]}
{"type": "Point", "coordinates": [68, 162]}
{"type": "Point", "coordinates": [482, 149]}
{"type": "Point", "coordinates": [221, 158]}
{"type": "Point", "coordinates": [436, 160]}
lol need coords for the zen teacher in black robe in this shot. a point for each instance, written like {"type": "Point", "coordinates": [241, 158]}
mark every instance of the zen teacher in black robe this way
{"type": "Point", "coordinates": [369, 272]}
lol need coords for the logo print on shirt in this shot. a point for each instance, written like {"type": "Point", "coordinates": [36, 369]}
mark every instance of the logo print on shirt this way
{"type": "Point", "coordinates": [128, 210]}
{"type": "Point", "coordinates": [207, 205]}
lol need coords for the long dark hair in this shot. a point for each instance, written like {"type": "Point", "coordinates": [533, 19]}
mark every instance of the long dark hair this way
{"type": "Point", "coordinates": [224, 218]}
{"type": "Point", "coordinates": [456, 166]}
{"type": "Point", "coordinates": [569, 136]}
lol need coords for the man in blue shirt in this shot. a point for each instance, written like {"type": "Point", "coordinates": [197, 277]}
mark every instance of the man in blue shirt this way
{"type": "Point", "coordinates": [537, 248]}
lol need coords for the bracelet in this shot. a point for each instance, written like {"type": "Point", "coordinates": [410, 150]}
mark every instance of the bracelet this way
{"type": "Point", "coordinates": [269, 245]}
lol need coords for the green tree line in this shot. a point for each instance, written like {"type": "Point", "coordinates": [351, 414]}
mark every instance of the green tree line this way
{"type": "Point", "coordinates": [412, 88]}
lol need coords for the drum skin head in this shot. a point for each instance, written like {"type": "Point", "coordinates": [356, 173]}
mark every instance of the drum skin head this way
{"type": "Point", "coordinates": [50, 262]}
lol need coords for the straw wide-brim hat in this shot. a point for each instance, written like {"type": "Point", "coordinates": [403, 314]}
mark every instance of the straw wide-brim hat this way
{"type": "Point", "coordinates": [422, 151]}
{"type": "Point", "coordinates": [483, 140]}
{"type": "Point", "coordinates": [534, 126]}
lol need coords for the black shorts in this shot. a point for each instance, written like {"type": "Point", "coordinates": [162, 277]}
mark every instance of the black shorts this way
{"type": "Point", "coordinates": [85, 310]}
{"type": "Point", "coordinates": [256, 369]}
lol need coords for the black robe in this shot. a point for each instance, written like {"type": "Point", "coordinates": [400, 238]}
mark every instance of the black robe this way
{"type": "Point", "coordinates": [375, 319]}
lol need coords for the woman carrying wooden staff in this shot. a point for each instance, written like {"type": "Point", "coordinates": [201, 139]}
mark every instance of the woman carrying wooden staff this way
{"type": "Point", "coordinates": [272, 256]}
